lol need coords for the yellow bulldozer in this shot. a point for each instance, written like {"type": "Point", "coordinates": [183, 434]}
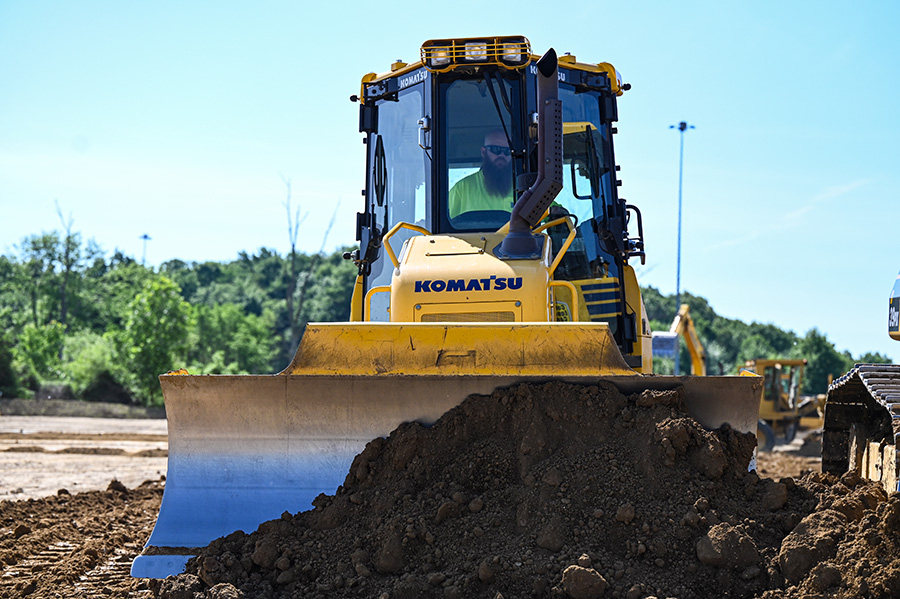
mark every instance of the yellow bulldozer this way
{"type": "Point", "coordinates": [779, 411]}
{"type": "Point", "coordinates": [494, 250]}
{"type": "Point", "coordinates": [862, 416]}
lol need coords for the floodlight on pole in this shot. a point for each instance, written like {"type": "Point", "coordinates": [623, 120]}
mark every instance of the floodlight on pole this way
{"type": "Point", "coordinates": [146, 238]}
{"type": "Point", "coordinates": [682, 127]}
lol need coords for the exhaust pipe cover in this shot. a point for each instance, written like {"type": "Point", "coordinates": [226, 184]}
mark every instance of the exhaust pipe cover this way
{"type": "Point", "coordinates": [531, 206]}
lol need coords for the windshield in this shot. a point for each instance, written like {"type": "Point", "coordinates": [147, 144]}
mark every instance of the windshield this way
{"type": "Point", "coordinates": [584, 162]}
{"type": "Point", "coordinates": [481, 165]}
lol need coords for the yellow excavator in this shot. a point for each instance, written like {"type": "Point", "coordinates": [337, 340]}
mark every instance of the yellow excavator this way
{"type": "Point", "coordinates": [528, 282]}
{"type": "Point", "coordinates": [862, 416]}
{"type": "Point", "coordinates": [682, 325]}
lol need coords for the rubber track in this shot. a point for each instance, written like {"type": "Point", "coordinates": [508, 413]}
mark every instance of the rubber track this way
{"type": "Point", "coordinates": [868, 396]}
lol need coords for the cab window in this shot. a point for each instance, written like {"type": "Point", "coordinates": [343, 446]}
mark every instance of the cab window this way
{"type": "Point", "coordinates": [480, 175]}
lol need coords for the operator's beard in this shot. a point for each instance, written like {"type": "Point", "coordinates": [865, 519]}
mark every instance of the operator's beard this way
{"type": "Point", "coordinates": [497, 180]}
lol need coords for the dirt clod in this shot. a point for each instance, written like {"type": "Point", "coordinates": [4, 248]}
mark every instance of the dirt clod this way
{"type": "Point", "coordinates": [583, 583]}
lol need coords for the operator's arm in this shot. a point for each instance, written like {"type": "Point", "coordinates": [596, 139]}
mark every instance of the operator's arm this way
{"type": "Point", "coordinates": [455, 201]}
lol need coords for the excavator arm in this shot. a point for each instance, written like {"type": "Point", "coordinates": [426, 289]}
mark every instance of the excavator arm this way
{"type": "Point", "coordinates": [683, 325]}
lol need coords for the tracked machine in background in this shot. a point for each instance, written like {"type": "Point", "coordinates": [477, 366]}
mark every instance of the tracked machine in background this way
{"type": "Point", "coordinates": [456, 294]}
{"type": "Point", "coordinates": [779, 410]}
{"type": "Point", "coordinates": [862, 416]}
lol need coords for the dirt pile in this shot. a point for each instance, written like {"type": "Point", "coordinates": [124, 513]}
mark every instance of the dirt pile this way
{"type": "Point", "coordinates": [76, 545]}
{"type": "Point", "coordinates": [569, 491]}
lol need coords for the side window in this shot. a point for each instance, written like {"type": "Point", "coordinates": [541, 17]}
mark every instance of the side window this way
{"type": "Point", "coordinates": [583, 162]}
{"type": "Point", "coordinates": [401, 171]}
{"type": "Point", "coordinates": [585, 175]}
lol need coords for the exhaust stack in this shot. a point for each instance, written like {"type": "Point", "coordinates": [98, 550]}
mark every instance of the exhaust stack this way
{"type": "Point", "coordinates": [531, 206]}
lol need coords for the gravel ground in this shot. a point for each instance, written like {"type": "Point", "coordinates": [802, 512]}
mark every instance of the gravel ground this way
{"type": "Point", "coordinates": [41, 454]}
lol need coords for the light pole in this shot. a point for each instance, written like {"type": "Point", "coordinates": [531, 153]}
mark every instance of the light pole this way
{"type": "Point", "coordinates": [682, 127]}
{"type": "Point", "coordinates": [146, 238]}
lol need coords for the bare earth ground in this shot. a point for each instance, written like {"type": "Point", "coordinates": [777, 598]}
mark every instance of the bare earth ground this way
{"type": "Point", "coordinates": [41, 454]}
{"type": "Point", "coordinates": [558, 491]}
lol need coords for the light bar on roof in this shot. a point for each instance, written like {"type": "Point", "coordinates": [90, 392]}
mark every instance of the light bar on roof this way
{"type": "Point", "coordinates": [509, 52]}
{"type": "Point", "coordinates": [476, 51]}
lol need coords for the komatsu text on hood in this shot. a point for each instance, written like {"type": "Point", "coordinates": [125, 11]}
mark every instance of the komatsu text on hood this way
{"type": "Point", "coordinates": [492, 283]}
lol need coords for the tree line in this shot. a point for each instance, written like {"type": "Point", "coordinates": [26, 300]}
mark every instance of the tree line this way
{"type": "Point", "coordinates": [103, 327]}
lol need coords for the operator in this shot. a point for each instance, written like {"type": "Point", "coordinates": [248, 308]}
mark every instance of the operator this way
{"type": "Point", "coordinates": [489, 188]}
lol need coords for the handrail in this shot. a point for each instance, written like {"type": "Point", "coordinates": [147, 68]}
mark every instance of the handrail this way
{"type": "Point", "coordinates": [565, 247]}
{"type": "Point", "coordinates": [394, 229]}
{"type": "Point", "coordinates": [370, 293]}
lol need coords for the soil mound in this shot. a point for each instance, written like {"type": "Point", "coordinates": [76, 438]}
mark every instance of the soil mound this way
{"type": "Point", "coordinates": [560, 490]}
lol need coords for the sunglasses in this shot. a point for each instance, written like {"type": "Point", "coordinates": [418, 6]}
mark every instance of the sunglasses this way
{"type": "Point", "coordinates": [498, 150]}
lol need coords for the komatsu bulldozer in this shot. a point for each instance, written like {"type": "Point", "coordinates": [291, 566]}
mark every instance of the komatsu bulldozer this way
{"type": "Point", "coordinates": [862, 416]}
{"type": "Point", "coordinates": [494, 250]}
{"type": "Point", "coordinates": [779, 412]}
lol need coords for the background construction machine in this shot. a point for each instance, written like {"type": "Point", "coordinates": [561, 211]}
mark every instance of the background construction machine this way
{"type": "Point", "coordinates": [862, 416]}
{"type": "Point", "coordinates": [666, 343]}
{"type": "Point", "coordinates": [447, 303]}
{"type": "Point", "coordinates": [782, 410]}
{"type": "Point", "coordinates": [779, 410]}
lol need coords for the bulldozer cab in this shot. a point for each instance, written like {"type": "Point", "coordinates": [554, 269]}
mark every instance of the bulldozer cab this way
{"type": "Point", "coordinates": [783, 380]}
{"type": "Point", "coordinates": [436, 132]}
{"type": "Point", "coordinates": [779, 407]}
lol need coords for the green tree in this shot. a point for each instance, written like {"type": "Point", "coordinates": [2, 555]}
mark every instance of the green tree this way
{"type": "Point", "coordinates": [766, 341]}
{"type": "Point", "coordinates": [14, 301]}
{"type": "Point", "coordinates": [226, 340]}
{"type": "Point", "coordinates": [154, 338]}
{"type": "Point", "coordinates": [874, 358]}
{"type": "Point", "coordinates": [69, 257]}
{"type": "Point", "coordinates": [328, 300]}
{"type": "Point", "coordinates": [109, 289]}
{"type": "Point", "coordinates": [9, 380]}
{"type": "Point", "coordinates": [88, 358]}
{"type": "Point", "coordinates": [824, 362]}
{"type": "Point", "coordinates": [39, 254]}
{"type": "Point", "coordinates": [757, 347]}
{"type": "Point", "coordinates": [38, 353]}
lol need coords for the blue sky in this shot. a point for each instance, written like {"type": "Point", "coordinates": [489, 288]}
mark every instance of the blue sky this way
{"type": "Point", "coordinates": [184, 120]}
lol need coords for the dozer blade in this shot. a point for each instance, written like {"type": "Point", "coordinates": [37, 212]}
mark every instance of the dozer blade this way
{"type": "Point", "coordinates": [245, 449]}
